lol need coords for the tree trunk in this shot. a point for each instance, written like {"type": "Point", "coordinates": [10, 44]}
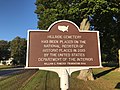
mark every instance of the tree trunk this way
{"type": "Point", "coordinates": [84, 25]}
{"type": "Point", "coordinates": [119, 59]}
{"type": "Point", "coordinates": [85, 74]}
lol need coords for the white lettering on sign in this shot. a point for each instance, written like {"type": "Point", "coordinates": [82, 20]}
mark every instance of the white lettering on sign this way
{"type": "Point", "coordinates": [69, 50]}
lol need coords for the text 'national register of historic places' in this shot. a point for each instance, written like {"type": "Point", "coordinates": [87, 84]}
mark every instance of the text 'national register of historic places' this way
{"type": "Point", "coordinates": [63, 45]}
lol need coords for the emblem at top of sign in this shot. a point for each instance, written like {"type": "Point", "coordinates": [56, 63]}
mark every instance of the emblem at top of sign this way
{"type": "Point", "coordinates": [63, 28]}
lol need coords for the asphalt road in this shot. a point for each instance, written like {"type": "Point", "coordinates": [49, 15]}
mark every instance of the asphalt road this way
{"type": "Point", "coordinates": [7, 72]}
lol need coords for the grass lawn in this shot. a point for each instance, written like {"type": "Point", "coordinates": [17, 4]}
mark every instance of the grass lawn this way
{"type": "Point", "coordinates": [106, 79]}
{"type": "Point", "coordinates": [43, 80]}
{"type": "Point", "coordinates": [15, 82]}
{"type": "Point", "coordinates": [5, 67]}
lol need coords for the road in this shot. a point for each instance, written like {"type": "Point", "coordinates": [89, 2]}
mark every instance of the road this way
{"type": "Point", "coordinates": [7, 72]}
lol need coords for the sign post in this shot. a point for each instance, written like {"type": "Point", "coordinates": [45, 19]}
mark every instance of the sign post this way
{"type": "Point", "coordinates": [64, 79]}
{"type": "Point", "coordinates": [63, 48]}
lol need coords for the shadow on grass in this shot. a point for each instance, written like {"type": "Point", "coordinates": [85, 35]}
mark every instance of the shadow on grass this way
{"type": "Point", "coordinates": [103, 73]}
{"type": "Point", "coordinates": [117, 86]}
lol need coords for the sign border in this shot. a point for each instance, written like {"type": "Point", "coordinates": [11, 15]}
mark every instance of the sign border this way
{"type": "Point", "coordinates": [60, 67]}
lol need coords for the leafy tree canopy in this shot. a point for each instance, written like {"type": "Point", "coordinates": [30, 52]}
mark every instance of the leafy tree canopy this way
{"type": "Point", "coordinates": [106, 19]}
{"type": "Point", "coordinates": [4, 50]}
{"type": "Point", "coordinates": [18, 50]}
{"type": "Point", "coordinates": [49, 11]}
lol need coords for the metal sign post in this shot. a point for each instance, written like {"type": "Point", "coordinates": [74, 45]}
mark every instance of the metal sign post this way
{"type": "Point", "coordinates": [64, 79]}
{"type": "Point", "coordinates": [63, 48]}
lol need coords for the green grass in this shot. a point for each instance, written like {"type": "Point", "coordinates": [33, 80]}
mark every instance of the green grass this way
{"type": "Point", "coordinates": [5, 67]}
{"type": "Point", "coordinates": [15, 81]}
{"type": "Point", "coordinates": [43, 80]}
{"type": "Point", "coordinates": [106, 79]}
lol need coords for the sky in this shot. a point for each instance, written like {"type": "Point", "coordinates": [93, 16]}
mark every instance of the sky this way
{"type": "Point", "coordinates": [16, 17]}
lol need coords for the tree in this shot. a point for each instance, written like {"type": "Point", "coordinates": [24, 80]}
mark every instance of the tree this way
{"type": "Point", "coordinates": [49, 11]}
{"type": "Point", "coordinates": [107, 22]}
{"type": "Point", "coordinates": [18, 50]}
{"type": "Point", "coordinates": [106, 15]}
{"type": "Point", "coordinates": [86, 74]}
{"type": "Point", "coordinates": [4, 50]}
{"type": "Point", "coordinates": [106, 19]}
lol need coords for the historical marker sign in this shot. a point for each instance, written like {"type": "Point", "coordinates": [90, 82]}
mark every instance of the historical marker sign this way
{"type": "Point", "coordinates": [63, 45]}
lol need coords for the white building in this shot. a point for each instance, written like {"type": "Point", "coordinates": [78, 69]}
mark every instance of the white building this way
{"type": "Point", "coordinates": [8, 62]}
{"type": "Point", "coordinates": [1, 63]}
